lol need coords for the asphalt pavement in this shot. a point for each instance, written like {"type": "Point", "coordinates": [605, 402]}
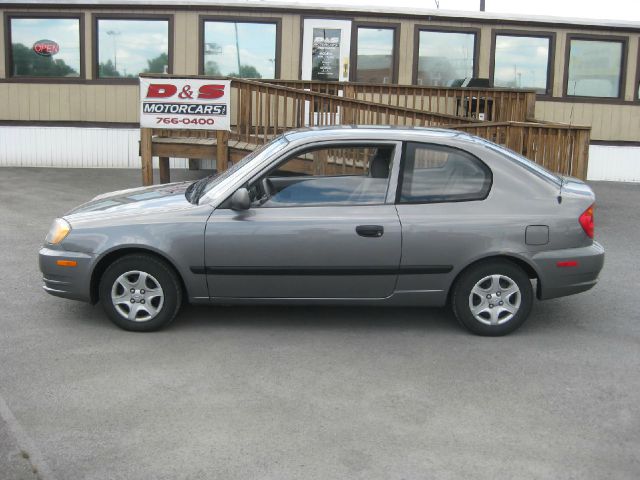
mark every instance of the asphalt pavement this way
{"type": "Point", "coordinates": [307, 392]}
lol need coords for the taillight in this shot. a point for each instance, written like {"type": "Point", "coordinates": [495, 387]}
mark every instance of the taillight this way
{"type": "Point", "coordinates": [586, 221]}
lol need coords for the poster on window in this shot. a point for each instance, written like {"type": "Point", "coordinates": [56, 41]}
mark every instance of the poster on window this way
{"type": "Point", "coordinates": [184, 103]}
{"type": "Point", "coordinates": [325, 54]}
{"type": "Point", "coordinates": [326, 49]}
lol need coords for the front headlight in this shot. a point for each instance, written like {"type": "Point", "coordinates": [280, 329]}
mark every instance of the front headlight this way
{"type": "Point", "coordinates": [58, 231]}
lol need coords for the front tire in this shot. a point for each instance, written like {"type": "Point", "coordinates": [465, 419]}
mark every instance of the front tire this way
{"type": "Point", "coordinates": [140, 293]}
{"type": "Point", "coordinates": [492, 298]}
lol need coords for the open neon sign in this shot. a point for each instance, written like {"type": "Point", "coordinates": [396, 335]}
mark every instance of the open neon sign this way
{"type": "Point", "coordinates": [46, 48]}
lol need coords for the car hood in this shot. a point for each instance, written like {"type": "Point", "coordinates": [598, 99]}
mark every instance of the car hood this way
{"type": "Point", "coordinates": [133, 201]}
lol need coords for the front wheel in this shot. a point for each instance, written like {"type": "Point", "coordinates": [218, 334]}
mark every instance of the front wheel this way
{"type": "Point", "coordinates": [140, 293]}
{"type": "Point", "coordinates": [492, 298]}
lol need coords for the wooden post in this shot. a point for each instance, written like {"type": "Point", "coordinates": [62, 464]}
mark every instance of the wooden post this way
{"type": "Point", "coordinates": [165, 175]}
{"type": "Point", "coordinates": [222, 150]}
{"type": "Point", "coordinates": [146, 156]}
{"type": "Point", "coordinates": [350, 91]}
{"type": "Point", "coordinates": [530, 101]}
{"type": "Point", "coordinates": [583, 139]}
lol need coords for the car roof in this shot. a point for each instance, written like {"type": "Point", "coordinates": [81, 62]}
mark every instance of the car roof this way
{"type": "Point", "coordinates": [374, 132]}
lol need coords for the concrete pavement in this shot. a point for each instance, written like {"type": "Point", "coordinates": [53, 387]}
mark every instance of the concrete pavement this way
{"type": "Point", "coordinates": [317, 393]}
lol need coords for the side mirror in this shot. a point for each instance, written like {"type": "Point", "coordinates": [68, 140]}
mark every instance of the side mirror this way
{"type": "Point", "coordinates": [240, 199]}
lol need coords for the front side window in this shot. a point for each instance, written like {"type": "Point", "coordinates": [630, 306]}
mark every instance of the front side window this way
{"type": "Point", "coordinates": [434, 174]}
{"type": "Point", "coordinates": [521, 62]}
{"type": "Point", "coordinates": [444, 57]}
{"type": "Point", "coordinates": [127, 48]}
{"type": "Point", "coordinates": [45, 47]}
{"type": "Point", "coordinates": [240, 49]}
{"type": "Point", "coordinates": [594, 68]}
{"type": "Point", "coordinates": [375, 55]}
{"type": "Point", "coordinates": [336, 175]}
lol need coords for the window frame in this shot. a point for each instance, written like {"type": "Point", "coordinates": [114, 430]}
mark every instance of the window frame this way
{"type": "Point", "coordinates": [636, 85]}
{"type": "Point", "coordinates": [477, 33]}
{"type": "Point", "coordinates": [403, 166]}
{"type": "Point", "coordinates": [95, 47]}
{"type": "Point", "coordinates": [277, 21]}
{"type": "Point", "coordinates": [551, 36]}
{"type": "Point", "coordinates": [9, 77]}
{"type": "Point", "coordinates": [392, 185]}
{"type": "Point", "coordinates": [395, 65]}
{"type": "Point", "coordinates": [624, 40]}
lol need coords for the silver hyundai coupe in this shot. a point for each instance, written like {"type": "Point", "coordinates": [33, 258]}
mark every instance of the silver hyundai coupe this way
{"type": "Point", "coordinates": [340, 215]}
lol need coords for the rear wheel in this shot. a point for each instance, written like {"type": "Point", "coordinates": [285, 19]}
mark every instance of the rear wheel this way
{"type": "Point", "coordinates": [140, 293]}
{"type": "Point", "coordinates": [492, 298]}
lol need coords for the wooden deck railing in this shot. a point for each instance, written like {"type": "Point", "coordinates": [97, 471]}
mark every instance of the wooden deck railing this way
{"type": "Point", "coordinates": [560, 148]}
{"type": "Point", "coordinates": [487, 104]}
{"type": "Point", "coordinates": [262, 110]}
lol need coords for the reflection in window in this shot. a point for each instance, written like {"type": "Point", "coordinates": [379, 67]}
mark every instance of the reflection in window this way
{"type": "Point", "coordinates": [327, 176]}
{"type": "Point", "coordinates": [45, 47]}
{"type": "Point", "coordinates": [130, 47]}
{"type": "Point", "coordinates": [521, 62]}
{"type": "Point", "coordinates": [444, 57]}
{"type": "Point", "coordinates": [374, 62]}
{"type": "Point", "coordinates": [594, 68]}
{"type": "Point", "coordinates": [434, 173]}
{"type": "Point", "coordinates": [239, 49]}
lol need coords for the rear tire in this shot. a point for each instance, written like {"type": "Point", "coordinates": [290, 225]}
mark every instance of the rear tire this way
{"type": "Point", "coordinates": [140, 293]}
{"type": "Point", "coordinates": [492, 298]}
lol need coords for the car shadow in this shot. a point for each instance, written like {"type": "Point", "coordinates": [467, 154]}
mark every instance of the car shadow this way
{"type": "Point", "coordinates": [316, 318]}
{"type": "Point", "coordinates": [420, 320]}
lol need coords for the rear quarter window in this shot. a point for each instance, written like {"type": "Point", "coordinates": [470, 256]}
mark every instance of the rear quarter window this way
{"type": "Point", "coordinates": [523, 162]}
{"type": "Point", "coordinates": [436, 173]}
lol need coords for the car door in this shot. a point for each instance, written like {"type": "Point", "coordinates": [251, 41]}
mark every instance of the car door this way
{"type": "Point", "coordinates": [441, 204]}
{"type": "Point", "coordinates": [321, 225]}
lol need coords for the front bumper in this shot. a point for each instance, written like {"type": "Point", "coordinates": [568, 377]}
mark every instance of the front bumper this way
{"type": "Point", "coordinates": [557, 281]}
{"type": "Point", "coordinates": [66, 282]}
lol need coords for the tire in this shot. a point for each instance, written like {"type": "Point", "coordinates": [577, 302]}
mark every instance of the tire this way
{"type": "Point", "coordinates": [483, 315]}
{"type": "Point", "coordinates": [156, 297]}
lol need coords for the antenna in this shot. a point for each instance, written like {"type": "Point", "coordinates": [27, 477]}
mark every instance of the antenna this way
{"type": "Point", "coordinates": [437, 3]}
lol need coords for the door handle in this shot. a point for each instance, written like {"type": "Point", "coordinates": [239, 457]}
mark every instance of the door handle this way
{"type": "Point", "coordinates": [370, 230]}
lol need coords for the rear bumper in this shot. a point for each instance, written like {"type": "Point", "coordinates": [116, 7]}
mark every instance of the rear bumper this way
{"type": "Point", "coordinates": [66, 282]}
{"type": "Point", "coordinates": [557, 281]}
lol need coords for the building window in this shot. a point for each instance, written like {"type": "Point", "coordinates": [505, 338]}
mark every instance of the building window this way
{"type": "Point", "coordinates": [444, 57]}
{"type": "Point", "coordinates": [375, 55]}
{"type": "Point", "coordinates": [595, 68]}
{"type": "Point", "coordinates": [240, 49]}
{"type": "Point", "coordinates": [45, 47]}
{"type": "Point", "coordinates": [522, 62]}
{"type": "Point", "coordinates": [128, 47]}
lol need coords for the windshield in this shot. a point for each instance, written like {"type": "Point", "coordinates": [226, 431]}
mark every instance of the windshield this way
{"type": "Point", "coordinates": [533, 167]}
{"type": "Point", "coordinates": [200, 187]}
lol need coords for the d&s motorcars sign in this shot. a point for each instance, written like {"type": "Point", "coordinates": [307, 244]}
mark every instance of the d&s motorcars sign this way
{"type": "Point", "coordinates": [184, 103]}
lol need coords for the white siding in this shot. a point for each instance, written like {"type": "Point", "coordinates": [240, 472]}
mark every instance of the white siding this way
{"type": "Point", "coordinates": [118, 148]}
{"type": "Point", "coordinates": [619, 164]}
{"type": "Point", "coordinates": [75, 147]}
